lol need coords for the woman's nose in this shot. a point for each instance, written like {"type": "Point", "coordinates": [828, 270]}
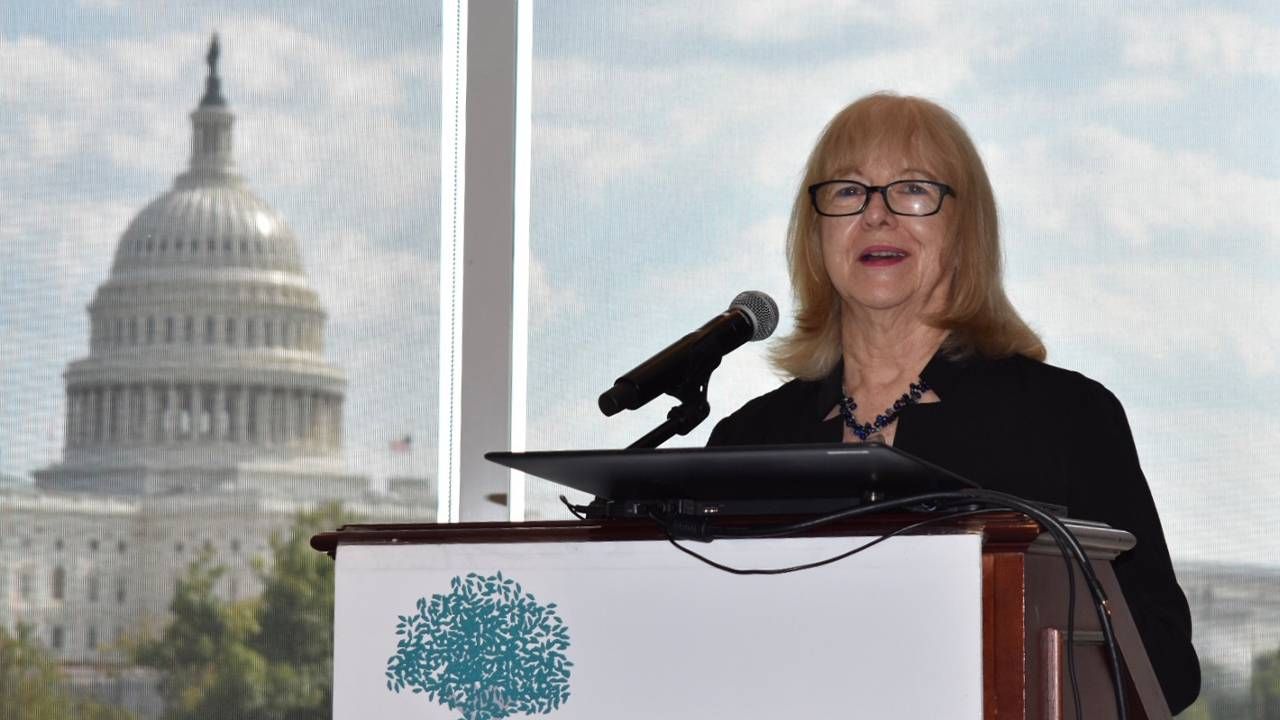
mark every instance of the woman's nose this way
{"type": "Point", "coordinates": [876, 212]}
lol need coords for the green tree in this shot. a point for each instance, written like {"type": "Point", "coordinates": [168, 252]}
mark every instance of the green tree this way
{"type": "Point", "coordinates": [31, 688]}
{"type": "Point", "coordinates": [295, 620]}
{"type": "Point", "coordinates": [1221, 697]}
{"type": "Point", "coordinates": [1265, 686]}
{"type": "Point", "coordinates": [265, 659]}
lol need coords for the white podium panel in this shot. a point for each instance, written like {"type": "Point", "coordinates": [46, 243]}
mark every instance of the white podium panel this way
{"type": "Point", "coordinates": [640, 630]}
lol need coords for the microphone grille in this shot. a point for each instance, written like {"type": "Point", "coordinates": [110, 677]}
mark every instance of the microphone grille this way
{"type": "Point", "coordinates": [762, 310]}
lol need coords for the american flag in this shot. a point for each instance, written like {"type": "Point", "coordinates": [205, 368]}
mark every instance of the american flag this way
{"type": "Point", "coordinates": [401, 445]}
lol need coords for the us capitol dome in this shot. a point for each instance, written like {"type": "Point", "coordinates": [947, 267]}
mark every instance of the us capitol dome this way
{"type": "Point", "coordinates": [203, 419]}
{"type": "Point", "coordinates": [205, 366]}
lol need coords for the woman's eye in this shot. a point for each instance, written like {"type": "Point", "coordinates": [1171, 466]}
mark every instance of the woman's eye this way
{"type": "Point", "coordinates": [851, 191]}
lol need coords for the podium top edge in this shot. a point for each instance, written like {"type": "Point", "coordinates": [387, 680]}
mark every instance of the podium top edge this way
{"type": "Point", "coordinates": [1004, 531]}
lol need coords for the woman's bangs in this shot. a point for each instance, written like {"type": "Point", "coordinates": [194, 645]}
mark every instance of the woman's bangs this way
{"type": "Point", "coordinates": [862, 137]}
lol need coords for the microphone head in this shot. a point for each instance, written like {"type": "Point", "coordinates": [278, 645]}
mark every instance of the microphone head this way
{"type": "Point", "coordinates": [762, 311]}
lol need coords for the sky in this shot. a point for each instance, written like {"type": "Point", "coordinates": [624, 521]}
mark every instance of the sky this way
{"type": "Point", "coordinates": [1133, 157]}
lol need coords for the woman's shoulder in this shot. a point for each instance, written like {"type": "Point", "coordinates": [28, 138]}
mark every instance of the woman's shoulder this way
{"type": "Point", "coordinates": [762, 412]}
{"type": "Point", "coordinates": [1041, 378]}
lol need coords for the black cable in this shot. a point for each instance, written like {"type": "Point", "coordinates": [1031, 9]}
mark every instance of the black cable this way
{"type": "Point", "coordinates": [817, 563]}
{"type": "Point", "coordinates": [1066, 541]}
{"type": "Point", "coordinates": [578, 511]}
{"type": "Point", "coordinates": [1063, 535]}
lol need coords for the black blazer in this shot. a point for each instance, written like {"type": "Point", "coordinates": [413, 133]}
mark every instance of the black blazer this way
{"type": "Point", "coordinates": [1033, 430]}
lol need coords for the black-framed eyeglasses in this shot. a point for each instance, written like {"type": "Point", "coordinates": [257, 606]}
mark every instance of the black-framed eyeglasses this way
{"type": "Point", "coordinates": [917, 198]}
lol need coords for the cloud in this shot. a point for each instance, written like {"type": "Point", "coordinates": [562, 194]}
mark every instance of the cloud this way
{"type": "Point", "coordinates": [761, 22]}
{"type": "Point", "coordinates": [53, 90]}
{"type": "Point", "coordinates": [1169, 314]}
{"type": "Point", "coordinates": [1098, 186]}
{"type": "Point", "coordinates": [738, 118]}
{"type": "Point", "coordinates": [1140, 91]}
{"type": "Point", "coordinates": [825, 22]}
{"type": "Point", "coordinates": [1229, 467]}
{"type": "Point", "coordinates": [381, 332]}
{"type": "Point", "coordinates": [1205, 43]}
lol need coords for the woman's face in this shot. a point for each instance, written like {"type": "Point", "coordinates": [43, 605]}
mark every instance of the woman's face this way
{"type": "Point", "coordinates": [879, 261]}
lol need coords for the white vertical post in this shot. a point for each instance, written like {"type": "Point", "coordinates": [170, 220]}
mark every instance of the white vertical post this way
{"type": "Point", "coordinates": [520, 249]}
{"type": "Point", "coordinates": [478, 237]}
{"type": "Point", "coordinates": [488, 257]}
{"type": "Point", "coordinates": [453, 129]}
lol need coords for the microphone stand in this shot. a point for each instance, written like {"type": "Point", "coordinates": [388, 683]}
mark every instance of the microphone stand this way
{"type": "Point", "coordinates": [693, 407]}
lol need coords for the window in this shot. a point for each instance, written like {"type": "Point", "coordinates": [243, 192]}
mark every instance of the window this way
{"type": "Point", "coordinates": [749, 124]}
{"type": "Point", "coordinates": [57, 637]}
{"type": "Point", "coordinates": [365, 234]}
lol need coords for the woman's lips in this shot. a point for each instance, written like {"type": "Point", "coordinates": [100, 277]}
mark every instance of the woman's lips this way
{"type": "Point", "coordinates": [882, 255]}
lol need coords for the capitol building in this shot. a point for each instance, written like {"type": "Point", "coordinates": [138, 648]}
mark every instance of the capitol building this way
{"type": "Point", "coordinates": [204, 417]}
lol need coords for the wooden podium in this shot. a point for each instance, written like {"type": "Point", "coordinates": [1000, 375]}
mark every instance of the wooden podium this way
{"type": "Point", "coordinates": [1017, 594]}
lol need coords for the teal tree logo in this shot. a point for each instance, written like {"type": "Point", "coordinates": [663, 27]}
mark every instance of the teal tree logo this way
{"type": "Point", "coordinates": [487, 649]}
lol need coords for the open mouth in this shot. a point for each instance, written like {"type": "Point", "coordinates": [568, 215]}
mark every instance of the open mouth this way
{"type": "Point", "coordinates": [882, 256]}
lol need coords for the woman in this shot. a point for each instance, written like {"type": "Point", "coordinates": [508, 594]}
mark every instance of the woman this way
{"type": "Point", "coordinates": [903, 330]}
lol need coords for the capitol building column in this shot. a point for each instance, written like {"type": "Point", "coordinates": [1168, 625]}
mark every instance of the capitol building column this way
{"type": "Point", "coordinates": [107, 413]}
{"type": "Point", "coordinates": [308, 408]}
{"type": "Point", "coordinates": [240, 411]}
{"type": "Point", "coordinates": [219, 417]}
{"type": "Point", "coordinates": [170, 414]}
{"type": "Point", "coordinates": [95, 427]}
{"type": "Point", "coordinates": [262, 415]}
{"type": "Point", "coordinates": [287, 410]}
{"type": "Point", "coordinates": [197, 412]}
{"type": "Point", "coordinates": [120, 422]}
{"type": "Point", "coordinates": [73, 423]}
{"type": "Point", "coordinates": [150, 413]}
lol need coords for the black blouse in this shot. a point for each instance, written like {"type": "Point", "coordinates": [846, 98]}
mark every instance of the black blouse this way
{"type": "Point", "coordinates": [1033, 430]}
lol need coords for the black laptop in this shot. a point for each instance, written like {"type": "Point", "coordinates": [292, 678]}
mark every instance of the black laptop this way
{"type": "Point", "coordinates": [749, 480]}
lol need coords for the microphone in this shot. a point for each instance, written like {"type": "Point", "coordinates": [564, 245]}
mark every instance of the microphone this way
{"type": "Point", "coordinates": [751, 316]}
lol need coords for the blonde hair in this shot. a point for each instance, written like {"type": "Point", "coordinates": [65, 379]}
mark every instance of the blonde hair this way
{"type": "Point", "coordinates": [979, 317]}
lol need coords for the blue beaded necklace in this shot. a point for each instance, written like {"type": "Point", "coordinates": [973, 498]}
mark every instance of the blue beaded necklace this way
{"type": "Point", "coordinates": [866, 430]}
